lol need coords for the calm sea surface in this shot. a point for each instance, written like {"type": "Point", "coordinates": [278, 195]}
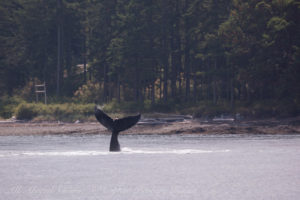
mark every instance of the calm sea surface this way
{"type": "Point", "coordinates": [183, 167]}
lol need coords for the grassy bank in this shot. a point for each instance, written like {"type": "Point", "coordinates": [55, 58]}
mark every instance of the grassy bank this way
{"type": "Point", "coordinates": [70, 112]}
{"type": "Point", "coordinates": [63, 112]}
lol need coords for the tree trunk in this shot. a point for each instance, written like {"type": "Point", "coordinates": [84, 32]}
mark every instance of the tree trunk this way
{"type": "Point", "coordinates": [187, 56]}
{"type": "Point", "coordinates": [165, 92]}
{"type": "Point", "coordinates": [118, 89]}
{"type": "Point", "coordinates": [153, 92]}
{"type": "Point", "coordinates": [173, 64]}
{"type": "Point", "coordinates": [214, 91]}
{"type": "Point", "coordinates": [84, 61]}
{"type": "Point", "coordinates": [105, 83]}
{"type": "Point", "coordinates": [137, 81]}
{"type": "Point", "coordinates": [160, 86]}
{"type": "Point", "coordinates": [214, 84]}
{"type": "Point", "coordinates": [165, 54]}
{"type": "Point", "coordinates": [231, 93]}
{"type": "Point", "coordinates": [195, 86]}
{"type": "Point", "coordinates": [59, 46]}
{"type": "Point", "coordinates": [187, 73]}
{"type": "Point", "coordinates": [180, 84]}
{"type": "Point", "coordinates": [173, 75]}
{"type": "Point", "coordinates": [176, 52]}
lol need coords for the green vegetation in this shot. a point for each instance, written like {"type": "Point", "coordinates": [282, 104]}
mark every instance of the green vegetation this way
{"type": "Point", "coordinates": [202, 58]}
{"type": "Point", "coordinates": [8, 105]}
{"type": "Point", "coordinates": [53, 112]}
{"type": "Point", "coordinates": [70, 112]}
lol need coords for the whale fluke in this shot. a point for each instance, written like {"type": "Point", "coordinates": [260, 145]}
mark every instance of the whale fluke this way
{"type": "Point", "coordinates": [104, 119]}
{"type": "Point", "coordinates": [115, 126]}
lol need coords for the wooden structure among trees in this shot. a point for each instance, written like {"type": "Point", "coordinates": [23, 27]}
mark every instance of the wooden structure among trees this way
{"type": "Point", "coordinates": [40, 89]}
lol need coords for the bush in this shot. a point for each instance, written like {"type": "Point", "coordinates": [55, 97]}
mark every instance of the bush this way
{"type": "Point", "coordinates": [127, 106]}
{"type": "Point", "coordinates": [88, 93]}
{"type": "Point", "coordinates": [26, 111]}
{"type": "Point", "coordinates": [162, 106]}
{"type": "Point", "coordinates": [69, 111]}
{"type": "Point", "coordinates": [66, 112]}
{"type": "Point", "coordinates": [8, 105]}
{"type": "Point", "coordinates": [211, 110]}
{"type": "Point", "coordinates": [112, 106]}
{"type": "Point", "coordinates": [131, 107]}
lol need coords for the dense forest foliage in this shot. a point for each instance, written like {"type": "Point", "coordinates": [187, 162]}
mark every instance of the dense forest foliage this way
{"type": "Point", "coordinates": [157, 51]}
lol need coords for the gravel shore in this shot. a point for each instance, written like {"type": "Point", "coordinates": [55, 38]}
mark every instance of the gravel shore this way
{"type": "Point", "coordinates": [184, 126]}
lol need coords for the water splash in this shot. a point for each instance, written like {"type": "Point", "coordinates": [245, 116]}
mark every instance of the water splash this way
{"type": "Point", "coordinates": [99, 153]}
{"type": "Point", "coordinates": [171, 151]}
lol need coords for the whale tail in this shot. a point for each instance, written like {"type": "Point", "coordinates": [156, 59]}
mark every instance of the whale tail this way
{"type": "Point", "coordinates": [115, 126]}
{"type": "Point", "coordinates": [104, 119]}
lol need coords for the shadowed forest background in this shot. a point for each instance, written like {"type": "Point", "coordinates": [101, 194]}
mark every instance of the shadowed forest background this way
{"type": "Point", "coordinates": [199, 57]}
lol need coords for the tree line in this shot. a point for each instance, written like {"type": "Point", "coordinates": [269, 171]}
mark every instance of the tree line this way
{"type": "Point", "coordinates": [155, 50]}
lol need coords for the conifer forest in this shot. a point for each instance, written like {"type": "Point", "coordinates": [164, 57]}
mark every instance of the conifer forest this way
{"type": "Point", "coordinates": [156, 52]}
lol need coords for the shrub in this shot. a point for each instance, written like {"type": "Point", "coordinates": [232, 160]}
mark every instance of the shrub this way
{"type": "Point", "coordinates": [26, 111]}
{"type": "Point", "coordinates": [210, 110]}
{"type": "Point", "coordinates": [66, 112]}
{"type": "Point", "coordinates": [162, 106]}
{"type": "Point", "coordinates": [88, 93]}
{"type": "Point", "coordinates": [126, 106]}
{"type": "Point", "coordinates": [131, 106]}
{"type": "Point", "coordinates": [8, 105]}
{"type": "Point", "coordinates": [112, 106]}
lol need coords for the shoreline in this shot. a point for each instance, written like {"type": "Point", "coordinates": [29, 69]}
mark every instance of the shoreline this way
{"type": "Point", "coordinates": [184, 126]}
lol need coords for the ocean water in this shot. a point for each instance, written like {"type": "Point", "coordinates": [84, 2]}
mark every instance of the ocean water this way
{"type": "Point", "coordinates": [150, 167]}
